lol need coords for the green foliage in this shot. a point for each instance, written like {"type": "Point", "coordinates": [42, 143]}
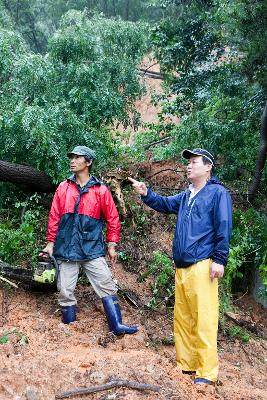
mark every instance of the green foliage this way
{"type": "Point", "coordinates": [4, 339]}
{"type": "Point", "coordinates": [243, 24]}
{"type": "Point", "coordinates": [239, 333]}
{"type": "Point", "coordinates": [214, 58]}
{"type": "Point", "coordinates": [161, 268]}
{"type": "Point", "coordinates": [97, 59]}
{"type": "Point", "coordinates": [187, 41]}
{"type": "Point", "coordinates": [51, 103]}
{"type": "Point", "coordinates": [37, 20]}
{"type": "Point", "coordinates": [19, 241]}
{"type": "Point", "coordinates": [14, 335]}
{"type": "Point", "coordinates": [248, 250]}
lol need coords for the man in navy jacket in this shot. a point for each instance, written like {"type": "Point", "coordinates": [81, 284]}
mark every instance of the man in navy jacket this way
{"type": "Point", "coordinates": [200, 252]}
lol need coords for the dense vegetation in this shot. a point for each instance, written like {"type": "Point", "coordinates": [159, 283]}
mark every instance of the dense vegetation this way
{"type": "Point", "coordinates": [69, 74]}
{"type": "Point", "coordinates": [213, 55]}
{"type": "Point", "coordinates": [87, 80]}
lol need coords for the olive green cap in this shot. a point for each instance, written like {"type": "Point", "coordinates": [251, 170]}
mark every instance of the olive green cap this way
{"type": "Point", "coordinates": [83, 151]}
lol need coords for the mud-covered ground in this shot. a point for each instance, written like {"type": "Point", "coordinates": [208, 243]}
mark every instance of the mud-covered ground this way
{"type": "Point", "coordinates": [40, 357]}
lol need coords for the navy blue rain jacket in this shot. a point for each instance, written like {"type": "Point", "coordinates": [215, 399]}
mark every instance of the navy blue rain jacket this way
{"type": "Point", "coordinates": [203, 227]}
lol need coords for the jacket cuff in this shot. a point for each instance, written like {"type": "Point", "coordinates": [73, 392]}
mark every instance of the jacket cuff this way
{"type": "Point", "coordinates": [147, 195]}
{"type": "Point", "coordinates": [50, 239]}
{"type": "Point", "coordinates": [219, 260]}
{"type": "Point", "coordinates": [110, 244]}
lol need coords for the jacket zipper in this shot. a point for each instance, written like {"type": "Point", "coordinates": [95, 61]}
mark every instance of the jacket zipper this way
{"type": "Point", "coordinates": [193, 202]}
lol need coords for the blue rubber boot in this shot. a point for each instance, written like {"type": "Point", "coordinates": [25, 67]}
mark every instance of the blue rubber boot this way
{"type": "Point", "coordinates": [203, 381]}
{"type": "Point", "coordinates": [113, 313]}
{"type": "Point", "coordinates": [68, 314]}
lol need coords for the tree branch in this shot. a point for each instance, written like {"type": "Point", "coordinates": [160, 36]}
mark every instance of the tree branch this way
{"type": "Point", "coordinates": [261, 158]}
{"type": "Point", "coordinates": [106, 386]}
{"type": "Point", "coordinates": [146, 147]}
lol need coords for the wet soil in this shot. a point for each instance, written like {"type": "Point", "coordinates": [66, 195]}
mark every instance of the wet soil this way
{"type": "Point", "coordinates": [41, 357]}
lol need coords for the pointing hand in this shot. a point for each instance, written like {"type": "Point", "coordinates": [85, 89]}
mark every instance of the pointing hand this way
{"type": "Point", "coordinates": [139, 187]}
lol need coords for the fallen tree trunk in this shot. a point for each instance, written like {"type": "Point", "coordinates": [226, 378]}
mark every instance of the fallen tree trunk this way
{"type": "Point", "coordinates": [30, 179]}
{"type": "Point", "coordinates": [27, 177]}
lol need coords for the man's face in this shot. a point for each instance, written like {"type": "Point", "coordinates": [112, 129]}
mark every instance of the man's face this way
{"type": "Point", "coordinates": [197, 169]}
{"type": "Point", "coordinates": [78, 163]}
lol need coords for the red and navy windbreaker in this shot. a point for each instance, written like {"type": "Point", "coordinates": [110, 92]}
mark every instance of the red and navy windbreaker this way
{"type": "Point", "coordinates": [76, 220]}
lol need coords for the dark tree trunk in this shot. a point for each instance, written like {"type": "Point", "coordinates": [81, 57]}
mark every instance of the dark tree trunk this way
{"type": "Point", "coordinates": [252, 191]}
{"type": "Point", "coordinates": [105, 8]}
{"type": "Point", "coordinates": [114, 8]}
{"type": "Point", "coordinates": [29, 178]}
{"type": "Point", "coordinates": [127, 10]}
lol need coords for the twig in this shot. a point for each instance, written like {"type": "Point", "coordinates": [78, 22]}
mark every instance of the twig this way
{"type": "Point", "coordinates": [7, 281]}
{"type": "Point", "coordinates": [157, 142]}
{"type": "Point", "coordinates": [106, 386]}
{"type": "Point", "coordinates": [151, 75]}
{"type": "Point", "coordinates": [23, 211]}
{"type": "Point", "coordinates": [241, 297]}
{"type": "Point", "coordinates": [4, 307]}
{"type": "Point", "coordinates": [164, 170]}
{"type": "Point", "coordinates": [150, 66]}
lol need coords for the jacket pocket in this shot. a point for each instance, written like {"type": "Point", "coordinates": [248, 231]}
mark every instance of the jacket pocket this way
{"type": "Point", "coordinates": [89, 236]}
{"type": "Point", "coordinates": [91, 243]}
{"type": "Point", "coordinates": [192, 250]}
{"type": "Point", "coordinates": [61, 234]}
{"type": "Point", "coordinates": [60, 244]}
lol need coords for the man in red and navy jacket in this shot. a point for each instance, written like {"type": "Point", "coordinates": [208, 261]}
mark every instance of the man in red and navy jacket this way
{"type": "Point", "coordinates": [81, 206]}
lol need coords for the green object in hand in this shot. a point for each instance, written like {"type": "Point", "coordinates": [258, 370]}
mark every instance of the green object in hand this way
{"type": "Point", "coordinates": [47, 276]}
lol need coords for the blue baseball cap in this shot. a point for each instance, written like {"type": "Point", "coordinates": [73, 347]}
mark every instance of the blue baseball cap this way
{"type": "Point", "coordinates": [198, 152]}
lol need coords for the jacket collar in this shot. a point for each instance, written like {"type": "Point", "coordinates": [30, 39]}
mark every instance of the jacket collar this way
{"type": "Point", "coordinates": [214, 180]}
{"type": "Point", "coordinates": [92, 181]}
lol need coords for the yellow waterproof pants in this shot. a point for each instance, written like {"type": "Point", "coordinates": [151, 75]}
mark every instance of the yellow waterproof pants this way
{"type": "Point", "coordinates": [196, 313]}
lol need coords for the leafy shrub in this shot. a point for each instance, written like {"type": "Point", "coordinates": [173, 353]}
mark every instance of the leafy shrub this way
{"type": "Point", "coordinates": [238, 332]}
{"type": "Point", "coordinates": [162, 270]}
{"type": "Point", "coordinates": [248, 251]}
{"type": "Point", "coordinates": [19, 241]}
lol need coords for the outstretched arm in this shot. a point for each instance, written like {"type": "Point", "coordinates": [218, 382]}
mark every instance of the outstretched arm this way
{"type": "Point", "coordinates": [164, 204]}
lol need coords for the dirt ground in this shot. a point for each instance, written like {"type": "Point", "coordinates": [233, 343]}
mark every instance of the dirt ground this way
{"type": "Point", "coordinates": [43, 357]}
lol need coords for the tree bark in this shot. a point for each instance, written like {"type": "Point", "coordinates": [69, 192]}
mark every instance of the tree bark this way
{"type": "Point", "coordinates": [28, 178]}
{"type": "Point", "coordinates": [127, 10]}
{"type": "Point", "coordinates": [252, 191]}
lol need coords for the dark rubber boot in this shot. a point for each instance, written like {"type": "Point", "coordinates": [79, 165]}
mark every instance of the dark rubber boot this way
{"type": "Point", "coordinates": [113, 313]}
{"type": "Point", "coordinates": [68, 314]}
